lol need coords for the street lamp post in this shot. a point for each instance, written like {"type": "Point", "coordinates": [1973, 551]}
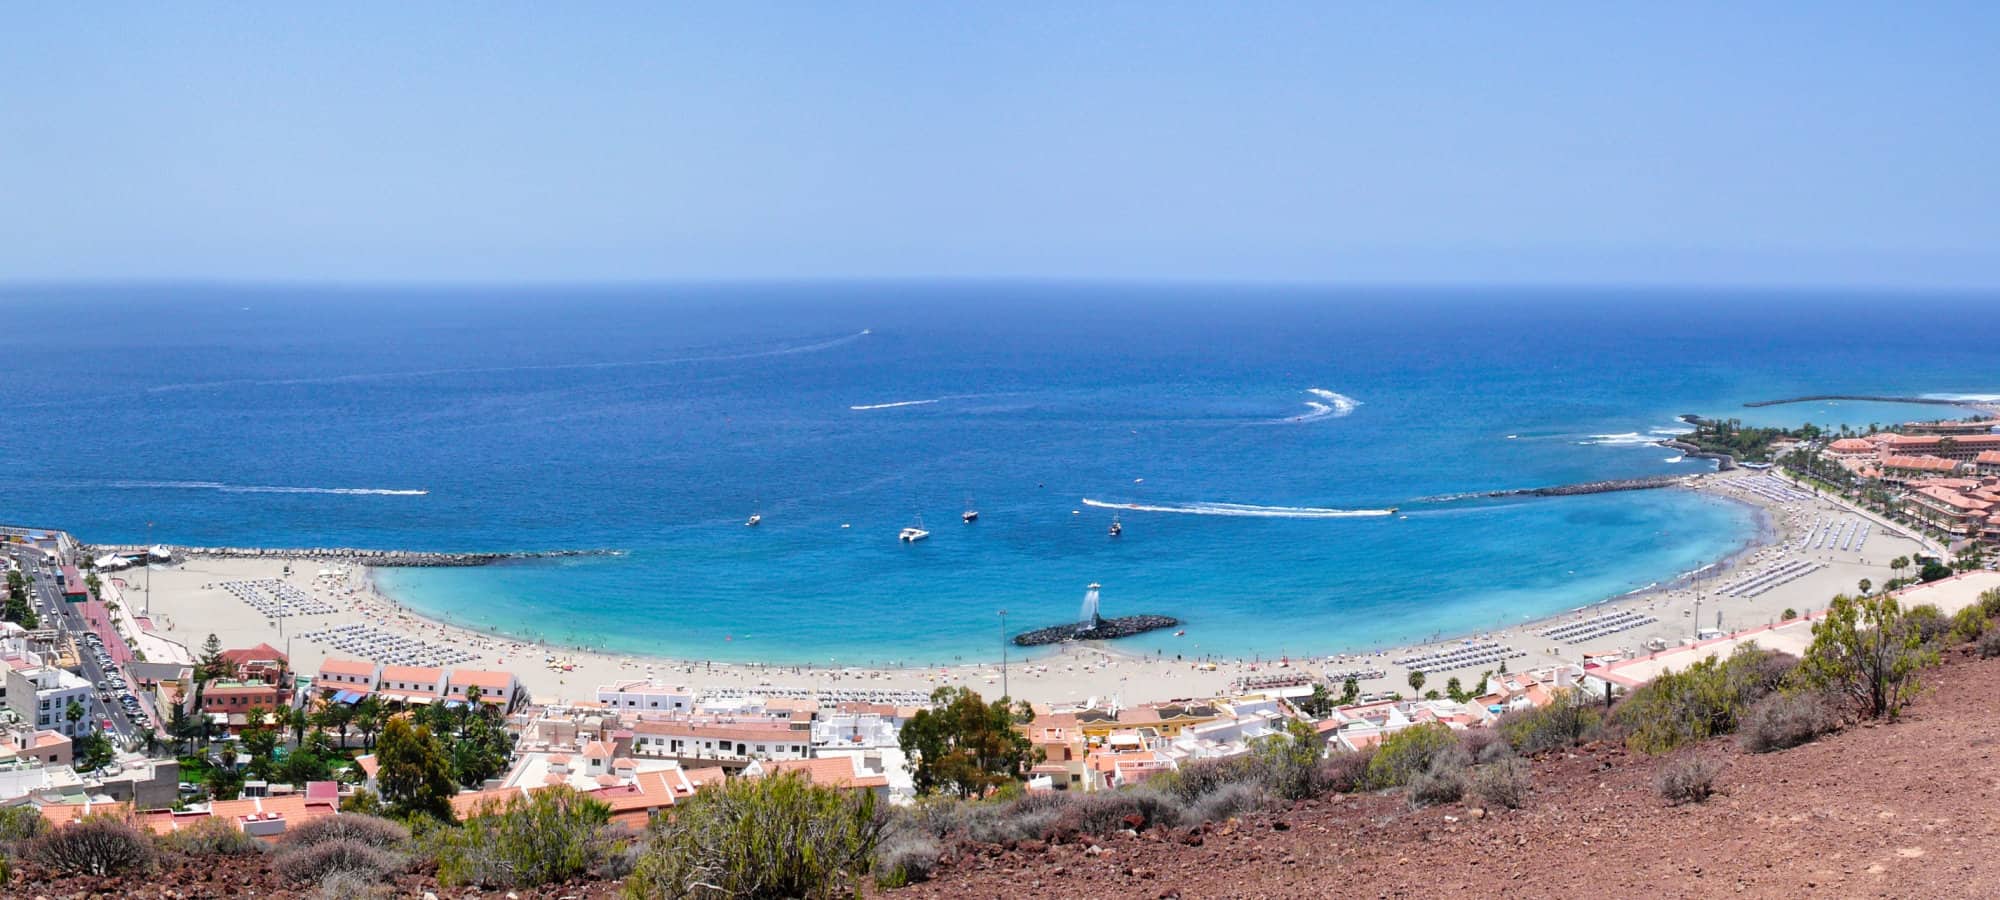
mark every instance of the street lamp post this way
{"type": "Point", "coordinates": [1003, 655]}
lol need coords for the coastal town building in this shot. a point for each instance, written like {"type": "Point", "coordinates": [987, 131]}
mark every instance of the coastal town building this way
{"type": "Point", "coordinates": [646, 695]}
{"type": "Point", "coordinates": [260, 663]}
{"type": "Point", "coordinates": [346, 675]}
{"type": "Point", "coordinates": [739, 739]}
{"type": "Point", "coordinates": [42, 694]}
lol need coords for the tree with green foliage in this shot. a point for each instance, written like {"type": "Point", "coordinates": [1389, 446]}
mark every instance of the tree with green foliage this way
{"type": "Point", "coordinates": [966, 746]}
{"type": "Point", "coordinates": [223, 783]}
{"type": "Point", "coordinates": [73, 713]}
{"type": "Point", "coordinates": [1864, 651]}
{"type": "Point", "coordinates": [19, 609]}
{"type": "Point", "coordinates": [414, 771]}
{"type": "Point", "coordinates": [369, 716]}
{"type": "Point", "coordinates": [1454, 690]}
{"type": "Point", "coordinates": [1865, 585]}
{"type": "Point", "coordinates": [1350, 690]}
{"type": "Point", "coordinates": [552, 835]}
{"type": "Point", "coordinates": [93, 752]}
{"type": "Point", "coordinates": [1318, 704]}
{"type": "Point", "coordinates": [210, 666]}
{"type": "Point", "coordinates": [1417, 681]}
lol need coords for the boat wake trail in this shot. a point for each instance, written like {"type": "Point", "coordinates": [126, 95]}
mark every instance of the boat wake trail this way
{"type": "Point", "coordinates": [813, 347]}
{"type": "Point", "coordinates": [1330, 405]}
{"type": "Point", "coordinates": [259, 488]}
{"type": "Point", "coordinates": [869, 406]}
{"type": "Point", "coordinates": [1243, 510]}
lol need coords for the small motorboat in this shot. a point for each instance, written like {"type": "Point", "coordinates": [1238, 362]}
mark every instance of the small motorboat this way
{"type": "Point", "coordinates": [1116, 528]}
{"type": "Point", "coordinates": [754, 519]}
{"type": "Point", "coordinates": [970, 515]}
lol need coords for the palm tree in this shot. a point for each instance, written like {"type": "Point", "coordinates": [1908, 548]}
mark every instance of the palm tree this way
{"type": "Point", "coordinates": [1865, 585]}
{"type": "Point", "coordinates": [1417, 681]}
{"type": "Point", "coordinates": [369, 716]}
{"type": "Point", "coordinates": [74, 714]}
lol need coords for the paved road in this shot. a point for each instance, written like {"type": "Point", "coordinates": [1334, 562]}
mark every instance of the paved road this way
{"type": "Point", "coordinates": [68, 621]}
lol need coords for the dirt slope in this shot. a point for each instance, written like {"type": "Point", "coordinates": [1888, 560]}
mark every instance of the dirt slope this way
{"type": "Point", "coordinates": [1904, 810]}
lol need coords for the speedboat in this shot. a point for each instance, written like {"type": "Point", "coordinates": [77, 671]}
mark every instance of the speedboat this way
{"type": "Point", "coordinates": [1116, 529]}
{"type": "Point", "coordinates": [754, 519]}
{"type": "Point", "coordinates": [969, 516]}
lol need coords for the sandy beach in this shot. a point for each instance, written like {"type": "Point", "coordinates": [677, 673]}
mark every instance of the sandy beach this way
{"type": "Point", "coordinates": [189, 601]}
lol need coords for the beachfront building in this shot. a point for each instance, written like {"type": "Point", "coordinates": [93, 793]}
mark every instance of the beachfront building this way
{"type": "Point", "coordinates": [1957, 509]}
{"type": "Point", "coordinates": [234, 698]}
{"type": "Point", "coordinates": [351, 675]}
{"type": "Point", "coordinates": [1852, 448]}
{"type": "Point", "coordinates": [1987, 463]}
{"type": "Point", "coordinates": [646, 696]}
{"type": "Point", "coordinates": [1901, 470]}
{"type": "Point", "coordinates": [690, 738]}
{"type": "Point", "coordinates": [500, 690]}
{"type": "Point", "coordinates": [1958, 448]}
{"type": "Point", "coordinates": [260, 663]}
{"type": "Point", "coordinates": [411, 684]}
{"type": "Point", "coordinates": [1959, 428]}
{"type": "Point", "coordinates": [42, 694]}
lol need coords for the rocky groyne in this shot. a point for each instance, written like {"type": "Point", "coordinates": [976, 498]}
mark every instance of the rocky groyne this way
{"type": "Point", "coordinates": [403, 559]}
{"type": "Point", "coordinates": [1859, 398]}
{"type": "Point", "coordinates": [1101, 630]}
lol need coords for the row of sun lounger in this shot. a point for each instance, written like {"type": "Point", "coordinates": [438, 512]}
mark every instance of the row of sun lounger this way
{"type": "Point", "coordinates": [1774, 488]}
{"type": "Point", "coordinates": [1598, 626]}
{"type": "Point", "coordinates": [833, 695]}
{"type": "Point", "coordinates": [1466, 656]}
{"type": "Point", "coordinates": [369, 642]}
{"type": "Point", "coordinates": [275, 599]}
{"type": "Point", "coordinates": [1767, 579]}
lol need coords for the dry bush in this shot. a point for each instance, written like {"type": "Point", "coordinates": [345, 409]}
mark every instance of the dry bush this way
{"type": "Point", "coordinates": [1784, 720]}
{"type": "Point", "coordinates": [97, 845]}
{"type": "Point", "coordinates": [1346, 771]}
{"type": "Point", "coordinates": [314, 863]}
{"type": "Point", "coordinates": [1478, 742]}
{"type": "Point", "coordinates": [1412, 752]}
{"type": "Point", "coordinates": [1989, 645]}
{"type": "Point", "coordinates": [1198, 777]}
{"type": "Point", "coordinates": [1689, 779]}
{"type": "Point", "coordinates": [344, 885]}
{"type": "Point", "coordinates": [1444, 782]}
{"type": "Point", "coordinates": [379, 833]}
{"type": "Point", "coordinates": [551, 835]}
{"type": "Point", "coordinates": [905, 857]}
{"type": "Point", "coordinates": [1226, 802]}
{"type": "Point", "coordinates": [1109, 812]}
{"type": "Point", "coordinates": [1503, 783]}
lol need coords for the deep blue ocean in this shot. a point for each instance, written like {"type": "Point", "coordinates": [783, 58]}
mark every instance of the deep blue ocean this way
{"type": "Point", "coordinates": [655, 420]}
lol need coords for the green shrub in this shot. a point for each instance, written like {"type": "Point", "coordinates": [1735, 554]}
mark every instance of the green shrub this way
{"type": "Point", "coordinates": [315, 863]}
{"type": "Point", "coordinates": [19, 823]}
{"type": "Point", "coordinates": [1869, 652]}
{"type": "Point", "coordinates": [1503, 783]}
{"type": "Point", "coordinates": [96, 845]}
{"type": "Point", "coordinates": [1198, 777]}
{"type": "Point", "coordinates": [1989, 602]}
{"type": "Point", "coordinates": [1290, 761]}
{"type": "Point", "coordinates": [1346, 770]}
{"type": "Point", "coordinates": [379, 833]}
{"type": "Point", "coordinates": [1927, 622]}
{"type": "Point", "coordinates": [1570, 717]}
{"type": "Point", "coordinates": [1411, 752]}
{"type": "Point", "coordinates": [551, 835]}
{"type": "Point", "coordinates": [1968, 624]}
{"type": "Point", "coordinates": [1690, 779]}
{"type": "Point", "coordinates": [1701, 701]}
{"type": "Point", "coordinates": [1783, 720]}
{"type": "Point", "coordinates": [777, 836]}
{"type": "Point", "coordinates": [211, 836]}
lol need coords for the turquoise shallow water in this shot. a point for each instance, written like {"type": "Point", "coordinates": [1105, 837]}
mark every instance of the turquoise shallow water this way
{"type": "Point", "coordinates": [1244, 420]}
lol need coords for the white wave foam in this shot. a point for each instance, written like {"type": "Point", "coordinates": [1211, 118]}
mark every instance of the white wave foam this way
{"type": "Point", "coordinates": [260, 488]}
{"type": "Point", "coordinates": [896, 404]}
{"type": "Point", "coordinates": [1965, 398]}
{"type": "Point", "coordinates": [1336, 406]}
{"type": "Point", "coordinates": [1243, 510]}
{"type": "Point", "coordinates": [1626, 438]}
{"type": "Point", "coordinates": [485, 370]}
{"type": "Point", "coordinates": [1675, 459]}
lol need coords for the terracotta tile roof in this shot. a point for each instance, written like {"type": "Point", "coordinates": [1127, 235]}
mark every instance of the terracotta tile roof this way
{"type": "Point", "coordinates": [828, 771]}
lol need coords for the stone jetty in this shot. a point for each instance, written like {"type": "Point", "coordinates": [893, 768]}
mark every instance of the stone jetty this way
{"type": "Point", "coordinates": [1098, 630]}
{"type": "Point", "coordinates": [404, 559]}
{"type": "Point", "coordinates": [1859, 398]}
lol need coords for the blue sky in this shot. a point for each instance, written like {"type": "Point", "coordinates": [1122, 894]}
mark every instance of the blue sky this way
{"type": "Point", "coordinates": [1767, 143]}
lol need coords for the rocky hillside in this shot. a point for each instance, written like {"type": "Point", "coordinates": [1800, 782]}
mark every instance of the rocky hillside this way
{"type": "Point", "coordinates": [1903, 810]}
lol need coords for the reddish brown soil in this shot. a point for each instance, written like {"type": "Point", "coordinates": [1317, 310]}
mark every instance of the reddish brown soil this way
{"type": "Point", "coordinates": [1904, 810]}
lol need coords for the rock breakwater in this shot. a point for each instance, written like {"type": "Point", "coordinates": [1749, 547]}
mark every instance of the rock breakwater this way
{"type": "Point", "coordinates": [1101, 630]}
